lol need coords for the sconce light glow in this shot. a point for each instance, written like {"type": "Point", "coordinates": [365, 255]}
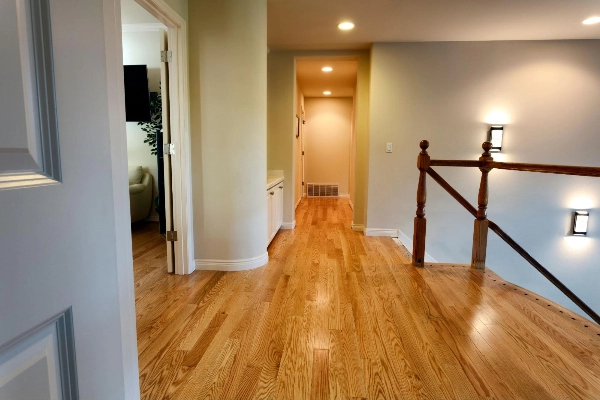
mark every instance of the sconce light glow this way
{"type": "Point", "coordinates": [346, 26]}
{"type": "Point", "coordinates": [591, 21]}
{"type": "Point", "coordinates": [497, 118]}
{"type": "Point", "coordinates": [327, 93]}
{"type": "Point", "coordinates": [577, 242]}
{"type": "Point", "coordinates": [326, 69]}
{"type": "Point", "coordinates": [581, 203]}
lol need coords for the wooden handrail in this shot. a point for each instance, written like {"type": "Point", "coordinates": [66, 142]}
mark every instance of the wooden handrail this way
{"type": "Point", "coordinates": [454, 163]}
{"type": "Point", "coordinates": [525, 167]}
{"type": "Point", "coordinates": [486, 164]}
{"type": "Point", "coordinates": [547, 169]}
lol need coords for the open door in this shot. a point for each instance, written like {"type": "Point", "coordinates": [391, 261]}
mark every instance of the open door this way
{"type": "Point", "coordinates": [67, 317]}
{"type": "Point", "coordinates": [168, 152]}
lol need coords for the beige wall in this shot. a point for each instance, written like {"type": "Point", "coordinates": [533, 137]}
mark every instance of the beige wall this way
{"type": "Point", "coordinates": [281, 142]}
{"type": "Point", "coordinates": [327, 141]}
{"type": "Point", "coordinates": [448, 93]}
{"type": "Point", "coordinates": [143, 48]}
{"type": "Point", "coordinates": [228, 71]}
{"type": "Point", "coordinates": [281, 110]}
{"type": "Point", "coordinates": [352, 156]}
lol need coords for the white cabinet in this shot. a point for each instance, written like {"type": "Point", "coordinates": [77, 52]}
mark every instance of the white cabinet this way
{"type": "Point", "coordinates": [274, 209]}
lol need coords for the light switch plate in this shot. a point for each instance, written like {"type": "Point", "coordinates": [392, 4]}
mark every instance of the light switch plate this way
{"type": "Point", "coordinates": [388, 147]}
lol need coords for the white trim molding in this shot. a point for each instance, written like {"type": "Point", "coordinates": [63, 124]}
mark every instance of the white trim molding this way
{"type": "Point", "coordinates": [344, 196]}
{"type": "Point", "coordinates": [181, 169]}
{"type": "Point", "coordinates": [151, 27]}
{"type": "Point", "coordinates": [357, 227]}
{"type": "Point", "coordinates": [407, 242]}
{"type": "Point", "coordinates": [351, 205]}
{"type": "Point", "coordinates": [382, 232]}
{"type": "Point", "coordinates": [298, 202]}
{"type": "Point", "coordinates": [232, 265]}
{"type": "Point", "coordinates": [288, 225]}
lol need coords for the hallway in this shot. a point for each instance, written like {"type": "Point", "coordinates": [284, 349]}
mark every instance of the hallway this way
{"type": "Point", "coordinates": [336, 314]}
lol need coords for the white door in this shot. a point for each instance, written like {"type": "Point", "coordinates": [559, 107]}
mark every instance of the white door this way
{"type": "Point", "coordinates": [165, 88]}
{"type": "Point", "coordinates": [66, 318]}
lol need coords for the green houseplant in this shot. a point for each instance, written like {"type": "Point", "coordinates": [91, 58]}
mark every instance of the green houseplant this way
{"type": "Point", "coordinates": [154, 131]}
{"type": "Point", "coordinates": [154, 126]}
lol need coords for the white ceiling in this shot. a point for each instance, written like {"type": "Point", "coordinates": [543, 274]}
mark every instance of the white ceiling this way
{"type": "Point", "coordinates": [313, 82]}
{"type": "Point", "coordinates": [311, 24]}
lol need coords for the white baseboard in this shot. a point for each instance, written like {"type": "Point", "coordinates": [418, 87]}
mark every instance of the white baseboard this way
{"type": "Point", "coordinates": [382, 232]}
{"type": "Point", "coordinates": [153, 218]}
{"type": "Point", "coordinates": [232, 265]}
{"type": "Point", "coordinates": [288, 225]}
{"type": "Point", "coordinates": [298, 202]}
{"type": "Point", "coordinates": [357, 227]}
{"type": "Point", "coordinates": [351, 205]}
{"type": "Point", "coordinates": [344, 196]}
{"type": "Point", "coordinates": [407, 242]}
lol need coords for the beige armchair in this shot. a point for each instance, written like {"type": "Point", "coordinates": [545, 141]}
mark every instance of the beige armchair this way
{"type": "Point", "coordinates": [140, 193]}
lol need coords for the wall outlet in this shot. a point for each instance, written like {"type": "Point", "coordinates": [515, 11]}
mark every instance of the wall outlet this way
{"type": "Point", "coordinates": [388, 147]}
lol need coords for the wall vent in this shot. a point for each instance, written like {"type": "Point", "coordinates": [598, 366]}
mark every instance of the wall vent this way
{"type": "Point", "coordinates": [316, 190]}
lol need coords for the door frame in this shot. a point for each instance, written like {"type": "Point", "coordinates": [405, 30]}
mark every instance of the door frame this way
{"type": "Point", "coordinates": [180, 134]}
{"type": "Point", "coordinates": [180, 182]}
{"type": "Point", "coordinates": [177, 30]}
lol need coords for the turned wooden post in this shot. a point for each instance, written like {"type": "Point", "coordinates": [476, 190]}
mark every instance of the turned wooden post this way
{"type": "Point", "coordinates": [418, 254]}
{"type": "Point", "coordinates": [480, 230]}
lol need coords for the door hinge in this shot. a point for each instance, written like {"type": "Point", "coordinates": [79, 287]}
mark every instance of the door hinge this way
{"type": "Point", "coordinates": [302, 152]}
{"type": "Point", "coordinates": [302, 183]}
{"type": "Point", "coordinates": [171, 236]}
{"type": "Point", "coordinates": [166, 56]}
{"type": "Point", "coordinates": [168, 149]}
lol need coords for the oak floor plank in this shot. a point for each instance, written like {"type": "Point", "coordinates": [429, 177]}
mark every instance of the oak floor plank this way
{"type": "Point", "coordinates": [319, 389]}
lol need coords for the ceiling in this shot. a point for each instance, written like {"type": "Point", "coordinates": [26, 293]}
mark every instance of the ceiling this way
{"type": "Point", "coordinates": [313, 82]}
{"type": "Point", "coordinates": [311, 24]}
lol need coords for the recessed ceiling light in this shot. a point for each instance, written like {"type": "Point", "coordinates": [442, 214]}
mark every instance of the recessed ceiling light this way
{"type": "Point", "coordinates": [346, 26]}
{"type": "Point", "coordinates": [592, 20]}
{"type": "Point", "coordinates": [326, 69]}
{"type": "Point", "coordinates": [327, 93]}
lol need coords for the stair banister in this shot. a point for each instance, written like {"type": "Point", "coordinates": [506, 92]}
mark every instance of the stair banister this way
{"type": "Point", "coordinates": [486, 163]}
{"type": "Point", "coordinates": [418, 254]}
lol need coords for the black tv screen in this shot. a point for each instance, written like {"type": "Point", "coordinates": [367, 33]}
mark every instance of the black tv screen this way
{"type": "Point", "coordinates": [137, 96]}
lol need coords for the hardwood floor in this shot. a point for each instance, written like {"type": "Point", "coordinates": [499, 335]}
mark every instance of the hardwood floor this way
{"type": "Point", "coordinates": [337, 315]}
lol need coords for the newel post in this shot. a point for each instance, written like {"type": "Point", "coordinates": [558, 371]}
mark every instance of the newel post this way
{"type": "Point", "coordinates": [418, 254]}
{"type": "Point", "coordinates": [480, 230]}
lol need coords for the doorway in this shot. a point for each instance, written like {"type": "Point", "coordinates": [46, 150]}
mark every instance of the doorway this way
{"type": "Point", "coordinates": [155, 39]}
{"type": "Point", "coordinates": [326, 100]}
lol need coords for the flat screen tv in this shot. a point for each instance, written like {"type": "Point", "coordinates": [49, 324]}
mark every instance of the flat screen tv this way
{"type": "Point", "coordinates": [137, 96]}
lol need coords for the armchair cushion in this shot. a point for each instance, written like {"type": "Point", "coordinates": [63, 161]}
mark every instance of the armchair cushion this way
{"type": "Point", "coordinates": [135, 175]}
{"type": "Point", "coordinates": [140, 198]}
{"type": "Point", "coordinates": [136, 188]}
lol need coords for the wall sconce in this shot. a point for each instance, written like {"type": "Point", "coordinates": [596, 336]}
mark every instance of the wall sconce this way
{"type": "Point", "coordinates": [495, 136]}
{"type": "Point", "coordinates": [580, 223]}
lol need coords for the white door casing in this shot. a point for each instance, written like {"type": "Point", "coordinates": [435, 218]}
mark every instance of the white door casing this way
{"type": "Point", "coordinates": [181, 176]}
